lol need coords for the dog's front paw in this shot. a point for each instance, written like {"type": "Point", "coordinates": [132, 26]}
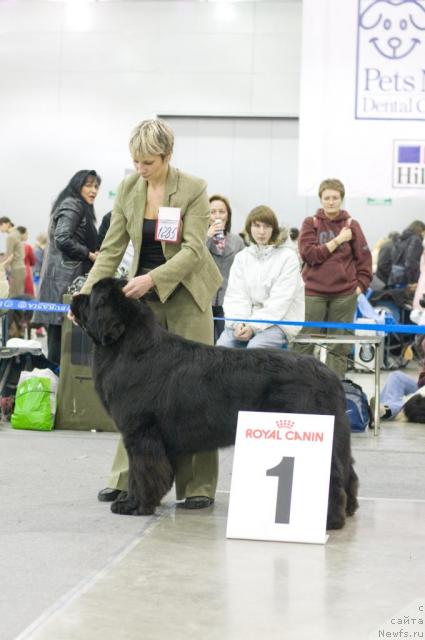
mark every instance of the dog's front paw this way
{"type": "Point", "coordinates": [352, 506]}
{"type": "Point", "coordinates": [335, 521]}
{"type": "Point", "coordinates": [146, 510]}
{"type": "Point", "coordinates": [128, 506]}
{"type": "Point", "coordinates": [125, 505]}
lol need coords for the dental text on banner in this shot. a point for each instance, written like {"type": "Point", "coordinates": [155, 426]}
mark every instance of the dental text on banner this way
{"type": "Point", "coordinates": [362, 110]}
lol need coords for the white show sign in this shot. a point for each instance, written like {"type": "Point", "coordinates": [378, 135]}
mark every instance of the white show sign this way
{"type": "Point", "coordinates": [280, 478]}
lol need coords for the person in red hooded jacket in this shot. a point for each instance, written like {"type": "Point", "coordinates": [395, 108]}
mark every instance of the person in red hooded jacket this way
{"type": "Point", "coordinates": [337, 267]}
{"type": "Point", "coordinates": [29, 259]}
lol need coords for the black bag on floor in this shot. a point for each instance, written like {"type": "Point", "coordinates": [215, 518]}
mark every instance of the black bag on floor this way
{"type": "Point", "coordinates": [78, 406]}
{"type": "Point", "coordinates": [357, 410]}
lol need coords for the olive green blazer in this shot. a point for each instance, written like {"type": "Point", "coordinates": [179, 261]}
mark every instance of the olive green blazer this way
{"type": "Point", "coordinates": [188, 262]}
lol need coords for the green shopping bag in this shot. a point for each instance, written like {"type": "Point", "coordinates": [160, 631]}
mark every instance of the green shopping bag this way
{"type": "Point", "coordinates": [35, 400]}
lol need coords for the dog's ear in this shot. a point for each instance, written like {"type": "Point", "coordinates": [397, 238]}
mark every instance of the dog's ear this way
{"type": "Point", "coordinates": [105, 324]}
{"type": "Point", "coordinates": [105, 321]}
{"type": "Point", "coordinates": [106, 329]}
{"type": "Point", "coordinates": [79, 307]}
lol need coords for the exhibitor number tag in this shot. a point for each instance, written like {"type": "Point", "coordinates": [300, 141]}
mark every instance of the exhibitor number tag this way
{"type": "Point", "coordinates": [168, 225]}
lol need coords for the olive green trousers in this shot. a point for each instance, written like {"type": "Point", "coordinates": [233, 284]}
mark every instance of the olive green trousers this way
{"type": "Point", "coordinates": [329, 309]}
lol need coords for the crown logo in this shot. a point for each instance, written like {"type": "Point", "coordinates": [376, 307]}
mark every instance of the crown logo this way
{"type": "Point", "coordinates": [285, 424]}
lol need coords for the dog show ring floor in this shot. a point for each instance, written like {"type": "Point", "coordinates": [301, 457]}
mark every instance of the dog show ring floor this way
{"type": "Point", "coordinates": [72, 570]}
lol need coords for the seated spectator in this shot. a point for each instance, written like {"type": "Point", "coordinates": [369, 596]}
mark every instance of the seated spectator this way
{"type": "Point", "coordinates": [381, 260]}
{"type": "Point", "coordinates": [294, 233]}
{"type": "Point", "coordinates": [417, 314]}
{"type": "Point", "coordinates": [264, 284]}
{"type": "Point", "coordinates": [223, 247]}
{"type": "Point", "coordinates": [406, 256]}
{"type": "Point", "coordinates": [402, 398]}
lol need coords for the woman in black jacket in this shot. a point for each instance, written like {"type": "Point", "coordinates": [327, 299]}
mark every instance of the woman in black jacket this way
{"type": "Point", "coordinates": [406, 257]}
{"type": "Point", "coordinates": [71, 250]}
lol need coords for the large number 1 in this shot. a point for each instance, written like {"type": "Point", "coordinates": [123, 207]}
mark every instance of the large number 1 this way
{"type": "Point", "coordinates": [285, 472]}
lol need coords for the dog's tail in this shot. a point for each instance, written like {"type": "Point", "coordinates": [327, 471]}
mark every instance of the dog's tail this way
{"type": "Point", "coordinates": [351, 490]}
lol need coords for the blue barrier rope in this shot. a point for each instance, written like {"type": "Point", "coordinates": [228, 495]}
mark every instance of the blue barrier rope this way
{"type": "Point", "coordinates": [385, 328]}
{"type": "Point", "coordinates": [54, 307]}
{"type": "Point", "coordinates": [33, 305]}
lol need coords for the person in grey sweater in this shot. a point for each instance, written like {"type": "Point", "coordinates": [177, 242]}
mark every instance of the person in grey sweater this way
{"type": "Point", "coordinates": [223, 247]}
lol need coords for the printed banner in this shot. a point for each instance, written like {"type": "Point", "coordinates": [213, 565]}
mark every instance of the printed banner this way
{"type": "Point", "coordinates": [390, 80]}
{"type": "Point", "coordinates": [362, 105]}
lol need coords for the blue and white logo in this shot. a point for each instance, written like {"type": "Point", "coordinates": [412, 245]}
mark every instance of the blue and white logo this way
{"type": "Point", "coordinates": [409, 164]}
{"type": "Point", "coordinates": [390, 78]}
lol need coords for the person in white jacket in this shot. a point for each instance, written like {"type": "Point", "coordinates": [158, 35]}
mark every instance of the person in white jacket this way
{"type": "Point", "coordinates": [265, 283]}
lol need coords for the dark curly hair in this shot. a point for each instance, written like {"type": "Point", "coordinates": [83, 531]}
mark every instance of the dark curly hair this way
{"type": "Point", "coordinates": [74, 186]}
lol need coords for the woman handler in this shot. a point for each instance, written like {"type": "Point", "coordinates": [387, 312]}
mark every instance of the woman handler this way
{"type": "Point", "coordinates": [165, 213]}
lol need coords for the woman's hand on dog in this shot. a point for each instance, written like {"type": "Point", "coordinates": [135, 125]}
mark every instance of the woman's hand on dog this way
{"type": "Point", "coordinates": [70, 315]}
{"type": "Point", "coordinates": [138, 286]}
{"type": "Point", "coordinates": [243, 332]}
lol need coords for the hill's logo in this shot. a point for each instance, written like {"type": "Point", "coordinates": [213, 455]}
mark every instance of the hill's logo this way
{"type": "Point", "coordinates": [286, 430]}
{"type": "Point", "coordinates": [409, 164]}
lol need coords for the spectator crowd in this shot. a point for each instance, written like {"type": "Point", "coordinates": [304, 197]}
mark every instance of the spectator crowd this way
{"type": "Point", "coordinates": [259, 277]}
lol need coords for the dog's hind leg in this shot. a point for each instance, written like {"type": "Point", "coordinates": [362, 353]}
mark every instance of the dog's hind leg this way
{"type": "Point", "coordinates": [337, 499]}
{"type": "Point", "coordinates": [351, 490]}
{"type": "Point", "coordinates": [151, 474]}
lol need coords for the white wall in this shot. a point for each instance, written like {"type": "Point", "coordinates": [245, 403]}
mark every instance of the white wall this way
{"type": "Point", "coordinates": [75, 78]}
{"type": "Point", "coordinates": [250, 161]}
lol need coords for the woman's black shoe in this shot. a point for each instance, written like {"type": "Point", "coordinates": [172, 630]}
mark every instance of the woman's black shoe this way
{"type": "Point", "coordinates": [197, 502]}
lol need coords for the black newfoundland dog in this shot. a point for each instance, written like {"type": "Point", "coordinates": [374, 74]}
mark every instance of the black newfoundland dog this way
{"type": "Point", "coordinates": [169, 396]}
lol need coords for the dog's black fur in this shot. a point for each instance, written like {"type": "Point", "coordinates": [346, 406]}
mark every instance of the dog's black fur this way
{"type": "Point", "coordinates": [170, 396]}
{"type": "Point", "coordinates": [414, 409]}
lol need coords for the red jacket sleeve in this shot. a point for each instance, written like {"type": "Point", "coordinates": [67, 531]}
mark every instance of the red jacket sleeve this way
{"type": "Point", "coordinates": [310, 250]}
{"type": "Point", "coordinates": [362, 256]}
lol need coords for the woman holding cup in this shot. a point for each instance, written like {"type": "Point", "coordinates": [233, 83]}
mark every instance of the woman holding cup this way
{"type": "Point", "coordinates": [223, 247]}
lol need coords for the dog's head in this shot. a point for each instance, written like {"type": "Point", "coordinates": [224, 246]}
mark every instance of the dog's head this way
{"type": "Point", "coordinates": [104, 313]}
{"type": "Point", "coordinates": [414, 409]}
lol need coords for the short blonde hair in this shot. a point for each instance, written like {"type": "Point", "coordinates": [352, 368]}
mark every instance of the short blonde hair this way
{"type": "Point", "coordinates": [334, 184]}
{"type": "Point", "coordinates": [151, 138]}
{"type": "Point", "coordinates": [266, 215]}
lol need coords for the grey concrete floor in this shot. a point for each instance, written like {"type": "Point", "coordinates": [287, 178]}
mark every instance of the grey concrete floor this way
{"type": "Point", "coordinates": [70, 569]}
